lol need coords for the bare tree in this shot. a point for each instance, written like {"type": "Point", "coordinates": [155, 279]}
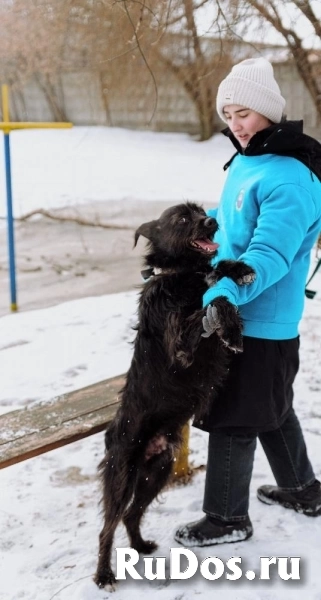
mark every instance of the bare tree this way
{"type": "Point", "coordinates": [31, 39]}
{"type": "Point", "coordinates": [199, 64]}
{"type": "Point", "coordinates": [166, 37]}
{"type": "Point", "coordinates": [136, 45]}
{"type": "Point", "coordinates": [199, 61]}
{"type": "Point", "coordinates": [131, 44]}
{"type": "Point", "coordinates": [41, 39]}
{"type": "Point", "coordinates": [286, 18]}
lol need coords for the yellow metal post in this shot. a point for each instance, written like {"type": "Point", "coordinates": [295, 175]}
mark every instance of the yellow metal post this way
{"type": "Point", "coordinates": [5, 103]}
{"type": "Point", "coordinates": [181, 466]}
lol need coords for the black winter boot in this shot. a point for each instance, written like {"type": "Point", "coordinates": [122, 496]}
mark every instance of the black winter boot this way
{"type": "Point", "coordinates": [307, 501]}
{"type": "Point", "coordinates": [209, 531]}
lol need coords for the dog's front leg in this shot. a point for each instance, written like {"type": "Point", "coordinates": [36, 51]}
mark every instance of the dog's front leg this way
{"type": "Point", "coordinates": [223, 319]}
{"type": "Point", "coordinates": [235, 269]}
{"type": "Point", "coordinates": [182, 337]}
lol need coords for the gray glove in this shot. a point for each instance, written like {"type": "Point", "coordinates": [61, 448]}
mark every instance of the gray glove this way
{"type": "Point", "coordinates": [210, 321]}
{"type": "Point", "coordinates": [222, 318]}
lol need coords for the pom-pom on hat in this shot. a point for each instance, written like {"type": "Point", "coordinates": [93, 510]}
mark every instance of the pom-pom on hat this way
{"type": "Point", "coordinates": [251, 84]}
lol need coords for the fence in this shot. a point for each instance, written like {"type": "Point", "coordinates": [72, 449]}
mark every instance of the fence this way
{"type": "Point", "coordinates": [89, 98]}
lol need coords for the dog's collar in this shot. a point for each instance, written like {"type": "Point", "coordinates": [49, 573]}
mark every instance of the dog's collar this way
{"type": "Point", "coordinates": [152, 271]}
{"type": "Point", "coordinates": [147, 273]}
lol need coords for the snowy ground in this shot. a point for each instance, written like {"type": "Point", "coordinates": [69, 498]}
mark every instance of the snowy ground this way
{"type": "Point", "coordinates": [115, 176]}
{"type": "Point", "coordinates": [57, 168]}
{"type": "Point", "coordinates": [49, 513]}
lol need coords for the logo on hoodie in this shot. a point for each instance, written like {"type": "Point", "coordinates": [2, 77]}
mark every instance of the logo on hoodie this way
{"type": "Point", "coordinates": [240, 199]}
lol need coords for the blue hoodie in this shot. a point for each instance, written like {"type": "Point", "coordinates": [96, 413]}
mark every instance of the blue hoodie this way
{"type": "Point", "coordinates": [269, 217]}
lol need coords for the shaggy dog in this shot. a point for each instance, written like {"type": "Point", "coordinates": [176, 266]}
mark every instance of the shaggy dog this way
{"type": "Point", "coordinates": [175, 369]}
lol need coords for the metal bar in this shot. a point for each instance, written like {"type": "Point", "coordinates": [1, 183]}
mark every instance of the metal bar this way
{"type": "Point", "coordinates": [12, 269]}
{"type": "Point", "coordinates": [5, 103]}
{"type": "Point", "coordinates": [6, 126]}
{"type": "Point", "coordinates": [9, 125]}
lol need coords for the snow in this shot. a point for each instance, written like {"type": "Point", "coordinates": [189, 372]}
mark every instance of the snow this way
{"type": "Point", "coordinates": [84, 164]}
{"type": "Point", "coordinates": [49, 511]}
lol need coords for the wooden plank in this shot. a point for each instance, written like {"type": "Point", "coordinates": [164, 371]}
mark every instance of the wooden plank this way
{"type": "Point", "coordinates": [42, 427]}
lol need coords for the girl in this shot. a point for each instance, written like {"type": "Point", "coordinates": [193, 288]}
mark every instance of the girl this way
{"type": "Point", "coordinates": [269, 217]}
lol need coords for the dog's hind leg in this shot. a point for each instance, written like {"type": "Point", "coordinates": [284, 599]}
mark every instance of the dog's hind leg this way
{"type": "Point", "coordinates": [118, 489]}
{"type": "Point", "coordinates": [151, 480]}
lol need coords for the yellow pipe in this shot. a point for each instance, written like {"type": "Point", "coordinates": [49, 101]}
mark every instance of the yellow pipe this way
{"type": "Point", "coordinates": [5, 102]}
{"type": "Point", "coordinates": [9, 125]}
{"type": "Point", "coordinates": [6, 125]}
{"type": "Point", "coordinates": [181, 466]}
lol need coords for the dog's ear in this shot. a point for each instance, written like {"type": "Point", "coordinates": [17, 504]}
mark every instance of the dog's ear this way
{"type": "Point", "coordinates": [148, 230]}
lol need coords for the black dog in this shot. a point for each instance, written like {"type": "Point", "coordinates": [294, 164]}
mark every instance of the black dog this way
{"type": "Point", "coordinates": [175, 369]}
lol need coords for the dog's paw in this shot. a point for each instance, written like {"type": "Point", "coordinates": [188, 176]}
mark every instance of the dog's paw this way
{"type": "Point", "coordinates": [223, 318]}
{"type": "Point", "coordinates": [234, 343]}
{"type": "Point", "coordinates": [237, 270]}
{"type": "Point", "coordinates": [105, 579]}
{"type": "Point", "coordinates": [247, 279]}
{"type": "Point", "coordinates": [244, 275]}
{"type": "Point", "coordinates": [145, 546]}
{"type": "Point", "coordinates": [231, 337]}
{"type": "Point", "coordinates": [211, 322]}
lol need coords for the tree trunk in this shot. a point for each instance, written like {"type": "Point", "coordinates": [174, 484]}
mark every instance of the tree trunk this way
{"type": "Point", "coordinates": [205, 110]}
{"type": "Point", "coordinates": [51, 97]}
{"type": "Point", "coordinates": [104, 97]}
{"type": "Point", "coordinates": [199, 85]}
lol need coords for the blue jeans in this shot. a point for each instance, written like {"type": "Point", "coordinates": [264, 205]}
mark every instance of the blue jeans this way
{"type": "Point", "coordinates": [230, 465]}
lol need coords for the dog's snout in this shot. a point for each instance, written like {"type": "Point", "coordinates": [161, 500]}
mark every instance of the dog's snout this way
{"type": "Point", "coordinates": [209, 222]}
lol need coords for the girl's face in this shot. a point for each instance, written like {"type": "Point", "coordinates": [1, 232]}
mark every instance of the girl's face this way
{"type": "Point", "coordinates": [244, 122]}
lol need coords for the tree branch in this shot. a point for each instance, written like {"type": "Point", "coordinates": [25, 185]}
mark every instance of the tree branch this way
{"type": "Point", "coordinates": [79, 220]}
{"type": "Point", "coordinates": [135, 29]}
{"type": "Point", "coordinates": [308, 12]}
{"type": "Point", "coordinates": [300, 54]}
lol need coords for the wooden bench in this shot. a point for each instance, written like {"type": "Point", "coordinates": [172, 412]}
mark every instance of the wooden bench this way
{"type": "Point", "coordinates": [48, 425]}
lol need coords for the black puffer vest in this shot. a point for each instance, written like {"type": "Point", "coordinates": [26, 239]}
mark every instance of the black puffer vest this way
{"type": "Point", "coordinates": [285, 139]}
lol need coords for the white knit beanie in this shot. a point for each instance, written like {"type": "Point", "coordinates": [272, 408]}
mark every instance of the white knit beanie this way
{"type": "Point", "coordinates": [251, 84]}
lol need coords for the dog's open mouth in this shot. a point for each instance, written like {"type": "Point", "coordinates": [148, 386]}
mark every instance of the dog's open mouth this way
{"type": "Point", "coordinates": [205, 245]}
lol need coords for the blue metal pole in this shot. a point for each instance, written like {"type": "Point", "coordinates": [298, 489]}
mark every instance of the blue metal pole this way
{"type": "Point", "coordinates": [12, 269]}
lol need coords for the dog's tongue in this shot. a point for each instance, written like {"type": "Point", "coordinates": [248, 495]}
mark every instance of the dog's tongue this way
{"type": "Point", "coordinates": [207, 245]}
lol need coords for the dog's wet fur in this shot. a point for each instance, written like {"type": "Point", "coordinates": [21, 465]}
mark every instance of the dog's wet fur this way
{"type": "Point", "coordinates": [174, 373]}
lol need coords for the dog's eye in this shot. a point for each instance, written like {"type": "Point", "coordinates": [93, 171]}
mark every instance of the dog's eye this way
{"type": "Point", "coordinates": [183, 220]}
